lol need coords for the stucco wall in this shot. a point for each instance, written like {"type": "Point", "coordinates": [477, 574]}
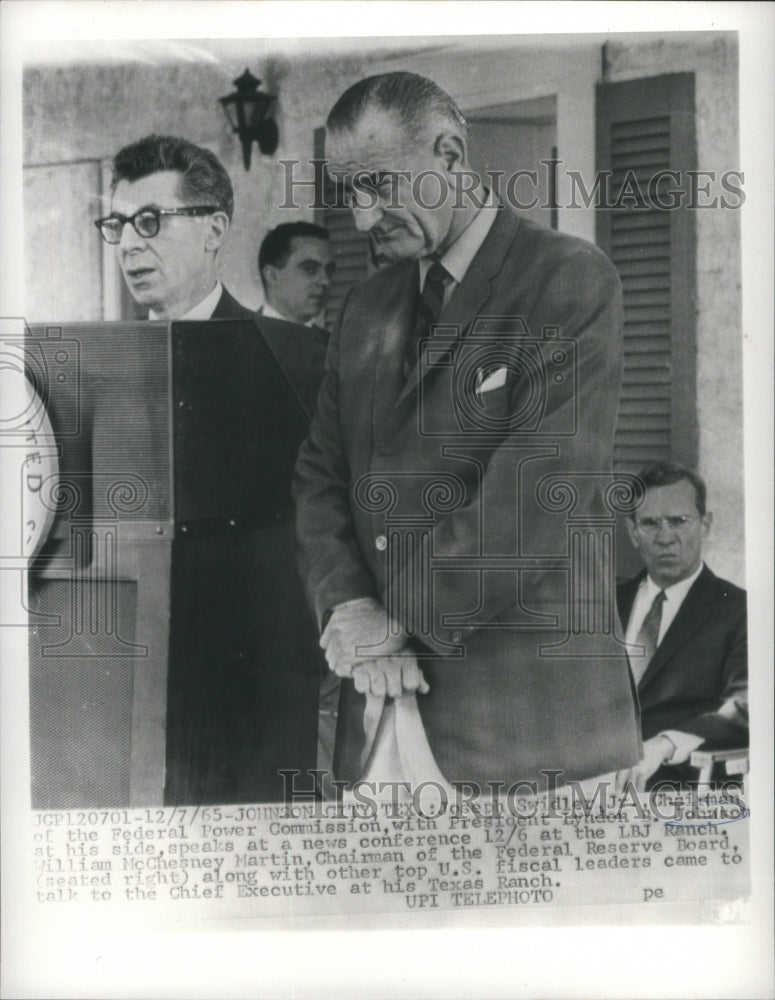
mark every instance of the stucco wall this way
{"type": "Point", "coordinates": [713, 59]}
{"type": "Point", "coordinates": [87, 112]}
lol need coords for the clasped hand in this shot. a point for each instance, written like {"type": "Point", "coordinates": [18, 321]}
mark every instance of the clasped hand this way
{"type": "Point", "coordinates": [361, 641]}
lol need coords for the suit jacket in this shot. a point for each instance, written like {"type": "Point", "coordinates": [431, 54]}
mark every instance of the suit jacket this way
{"type": "Point", "coordinates": [227, 307]}
{"type": "Point", "coordinates": [235, 721]}
{"type": "Point", "coordinates": [300, 352]}
{"type": "Point", "coordinates": [700, 665]}
{"type": "Point", "coordinates": [471, 472]}
{"type": "Point", "coordinates": [319, 331]}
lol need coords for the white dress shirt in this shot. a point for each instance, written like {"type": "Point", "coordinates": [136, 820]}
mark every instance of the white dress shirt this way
{"type": "Point", "coordinates": [674, 598]}
{"type": "Point", "coordinates": [271, 313]}
{"type": "Point", "coordinates": [203, 309]}
{"type": "Point", "coordinates": [457, 259]}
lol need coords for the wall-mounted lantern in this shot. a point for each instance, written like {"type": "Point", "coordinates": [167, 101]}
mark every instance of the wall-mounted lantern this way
{"type": "Point", "coordinates": [246, 112]}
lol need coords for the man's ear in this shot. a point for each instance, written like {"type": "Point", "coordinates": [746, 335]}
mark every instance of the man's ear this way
{"type": "Point", "coordinates": [452, 148]}
{"type": "Point", "coordinates": [217, 228]}
{"type": "Point", "coordinates": [268, 276]}
{"type": "Point", "coordinates": [707, 523]}
{"type": "Point", "coordinates": [632, 531]}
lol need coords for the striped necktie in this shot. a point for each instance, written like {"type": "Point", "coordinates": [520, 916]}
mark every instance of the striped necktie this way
{"type": "Point", "coordinates": [428, 312]}
{"type": "Point", "coordinates": [648, 637]}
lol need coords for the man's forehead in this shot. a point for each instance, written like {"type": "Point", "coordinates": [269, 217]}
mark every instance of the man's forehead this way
{"type": "Point", "coordinates": [676, 495]}
{"type": "Point", "coordinates": [375, 142]}
{"type": "Point", "coordinates": [161, 189]}
{"type": "Point", "coordinates": [309, 248]}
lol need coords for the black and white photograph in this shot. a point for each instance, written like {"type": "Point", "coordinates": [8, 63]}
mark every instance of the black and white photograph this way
{"type": "Point", "coordinates": [386, 435]}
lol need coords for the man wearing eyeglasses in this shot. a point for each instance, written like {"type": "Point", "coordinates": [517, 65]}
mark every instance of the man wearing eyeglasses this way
{"type": "Point", "coordinates": [171, 209]}
{"type": "Point", "coordinates": [686, 630]}
{"type": "Point", "coordinates": [232, 723]}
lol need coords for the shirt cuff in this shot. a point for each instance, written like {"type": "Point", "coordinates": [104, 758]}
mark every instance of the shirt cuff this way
{"type": "Point", "coordinates": [685, 743]}
{"type": "Point", "coordinates": [356, 606]}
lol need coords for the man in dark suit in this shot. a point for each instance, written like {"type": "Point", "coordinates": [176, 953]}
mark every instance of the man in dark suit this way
{"type": "Point", "coordinates": [433, 543]}
{"type": "Point", "coordinates": [296, 266]}
{"type": "Point", "coordinates": [687, 631]}
{"type": "Point", "coordinates": [171, 208]}
{"type": "Point", "coordinates": [233, 723]}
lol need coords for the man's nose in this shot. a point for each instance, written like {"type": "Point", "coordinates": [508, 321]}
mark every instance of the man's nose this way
{"type": "Point", "coordinates": [665, 534]}
{"type": "Point", "coordinates": [130, 238]}
{"type": "Point", "coordinates": [366, 217]}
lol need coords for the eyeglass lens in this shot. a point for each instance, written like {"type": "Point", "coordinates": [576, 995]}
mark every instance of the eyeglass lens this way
{"type": "Point", "coordinates": [145, 224]}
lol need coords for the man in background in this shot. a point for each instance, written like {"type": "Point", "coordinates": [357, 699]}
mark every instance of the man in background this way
{"type": "Point", "coordinates": [296, 268]}
{"type": "Point", "coordinates": [171, 208]}
{"type": "Point", "coordinates": [687, 631]}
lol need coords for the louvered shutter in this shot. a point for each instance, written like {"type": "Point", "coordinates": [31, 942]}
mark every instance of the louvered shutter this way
{"type": "Point", "coordinates": [350, 248]}
{"type": "Point", "coordinates": [643, 127]}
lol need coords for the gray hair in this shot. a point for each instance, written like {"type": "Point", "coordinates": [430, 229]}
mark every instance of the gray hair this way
{"type": "Point", "coordinates": [413, 99]}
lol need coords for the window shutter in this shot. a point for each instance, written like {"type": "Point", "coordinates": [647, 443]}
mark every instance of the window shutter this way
{"type": "Point", "coordinates": [645, 126]}
{"type": "Point", "coordinates": [349, 247]}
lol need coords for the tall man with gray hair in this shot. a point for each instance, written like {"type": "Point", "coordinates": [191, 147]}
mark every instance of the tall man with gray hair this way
{"type": "Point", "coordinates": [469, 383]}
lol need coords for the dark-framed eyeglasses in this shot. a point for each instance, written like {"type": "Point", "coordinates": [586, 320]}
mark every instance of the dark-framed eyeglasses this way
{"type": "Point", "coordinates": [146, 222]}
{"type": "Point", "coordinates": [651, 525]}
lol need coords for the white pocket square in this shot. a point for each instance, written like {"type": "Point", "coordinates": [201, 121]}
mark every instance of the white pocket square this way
{"type": "Point", "coordinates": [493, 381]}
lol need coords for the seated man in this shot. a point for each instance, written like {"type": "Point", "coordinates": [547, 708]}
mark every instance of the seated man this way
{"type": "Point", "coordinates": [686, 629]}
{"type": "Point", "coordinates": [296, 267]}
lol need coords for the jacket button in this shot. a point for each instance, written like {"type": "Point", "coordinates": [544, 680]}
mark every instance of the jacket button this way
{"type": "Point", "coordinates": [381, 543]}
{"type": "Point", "coordinates": [457, 636]}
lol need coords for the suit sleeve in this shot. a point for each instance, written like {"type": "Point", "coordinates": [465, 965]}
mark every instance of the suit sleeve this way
{"type": "Point", "coordinates": [581, 299]}
{"type": "Point", "coordinates": [727, 726]}
{"type": "Point", "coordinates": [330, 562]}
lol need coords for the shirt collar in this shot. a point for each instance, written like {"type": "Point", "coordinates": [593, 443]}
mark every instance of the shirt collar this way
{"type": "Point", "coordinates": [271, 313]}
{"type": "Point", "coordinates": [203, 309]}
{"type": "Point", "coordinates": [457, 259]}
{"type": "Point", "coordinates": [674, 593]}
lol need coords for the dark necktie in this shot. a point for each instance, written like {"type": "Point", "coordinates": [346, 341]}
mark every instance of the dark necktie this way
{"type": "Point", "coordinates": [648, 637]}
{"type": "Point", "coordinates": [428, 312]}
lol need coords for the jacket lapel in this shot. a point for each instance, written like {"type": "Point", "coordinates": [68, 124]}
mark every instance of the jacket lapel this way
{"type": "Point", "coordinates": [625, 597]}
{"type": "Point", "coordinates": [394, 317]}
{"type": "Point", "coordinates": [473, 292]}
{"type": "Point", "coordinates": [300, 354]}
{"type": "Point", "coordinates": [227, 307]}
{"type": "Point", "coordinates": [691, 616]}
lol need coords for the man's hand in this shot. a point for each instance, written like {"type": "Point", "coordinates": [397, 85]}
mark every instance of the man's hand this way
{"type": "Point", "coordinates": [656, 752]}
{"type": "Point", "coordinates": [359, 629]}
{"type": "Point", "coordinates": [389, 675]}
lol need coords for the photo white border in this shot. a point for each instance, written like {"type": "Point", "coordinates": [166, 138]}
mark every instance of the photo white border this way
{"type": "Point", "coordinates": [62, 957]}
